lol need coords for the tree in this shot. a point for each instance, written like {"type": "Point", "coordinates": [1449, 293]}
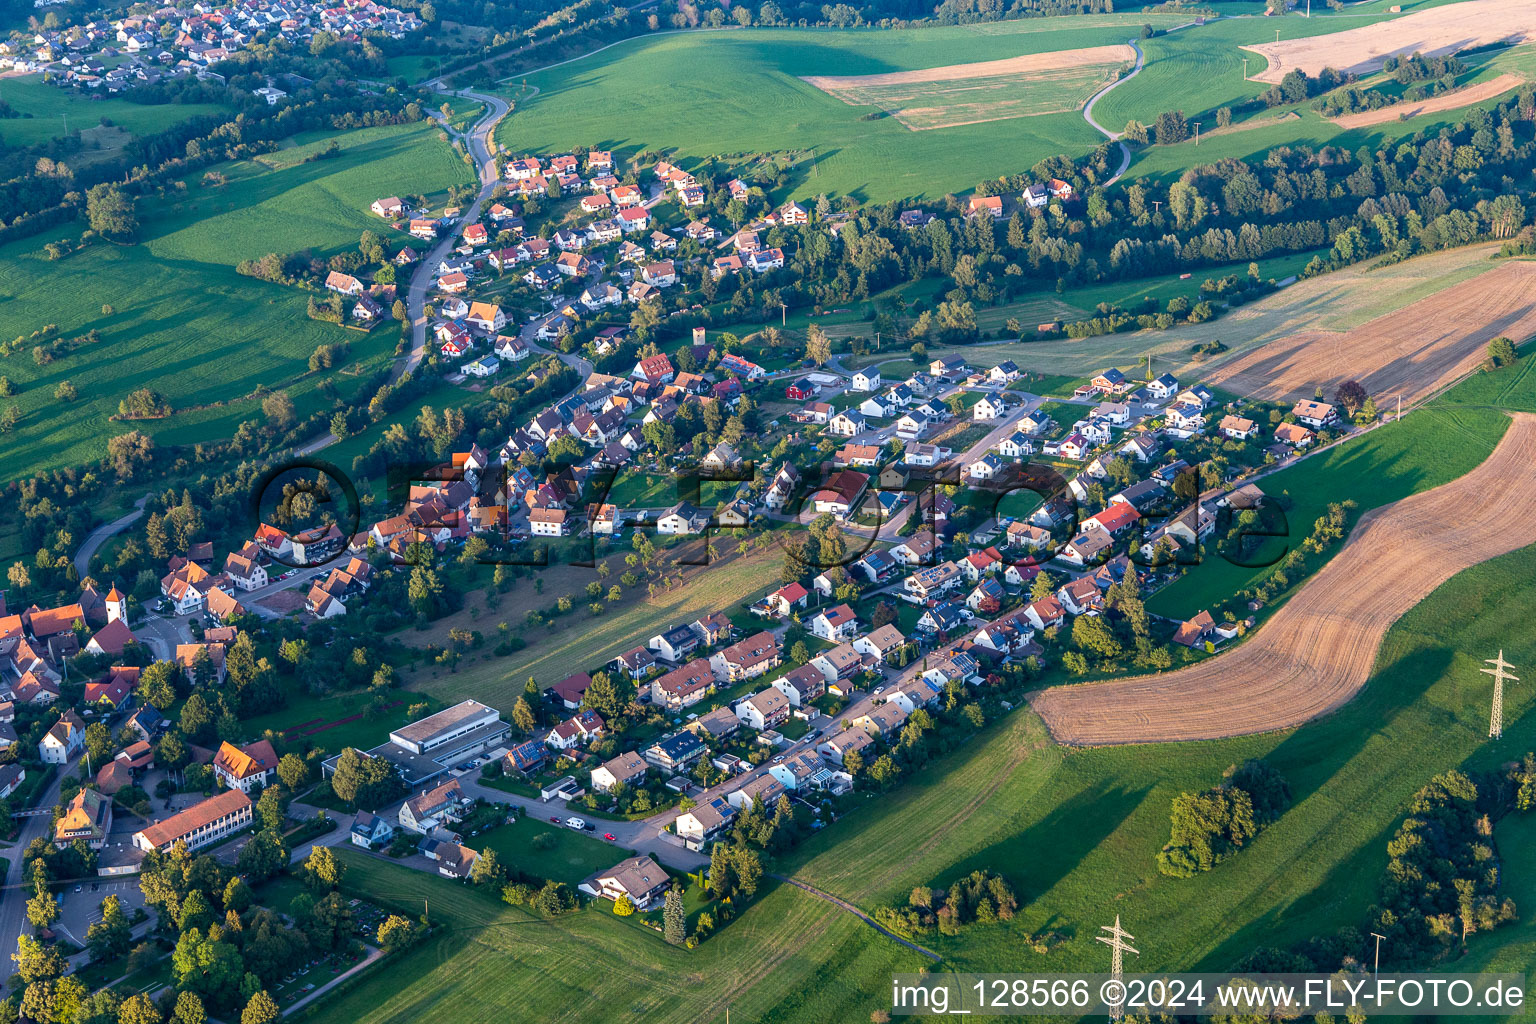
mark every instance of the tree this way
{"type": "Point", "coordinates": [1171, 127]}
{"type": "Point", "coordinates": [397, 933]}
{"type": "Point", "coordinates": [523, 716]}
{"type": "Point", "coordinates": [623, 906]}
{"type": "Point", "coordinates": [603, 697]}
{"type": "Point", "coordinates": [322, 871]}
{"type": "Point", "coordinates": [363, 781]}
{"type": "Point", "coordinates": [42, 908]}
{"type": "Point", "coordinates": [110, 210]}
{"type": "Point", "coordinates": [674, 920]}
{"type": "Point", "coordinates": [1350, 395]}
{"type": "Point", "coordinates": [262, 1009]}
{"type": "Point", "coordinates": [37, 960]}
{"type": "Point", "coordinates": [292, 770]}
{"type": "Point", "coordinates": [139, 1009]}
{"type": "Point", "coordinates": [1501, 353]}
{"type": "Point", "coordinates": [189, 1010]}
{"type": "Point", "coordinates": [884, 770]}
{"type": "Point", "coordinates": [112, 936]}
{"type": "Point", "coordinates": [487, 870]}
{"type": "Point", "coordinates": [818, 347]}
{"type": "Point", "coordinates": [130, 452]}
{"type": "Point", "coordinates": [264, 856]}
{"type": "Point", "coordinates": [278, 408]}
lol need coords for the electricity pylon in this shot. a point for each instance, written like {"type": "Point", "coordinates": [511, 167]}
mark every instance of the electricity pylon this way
{"type": "Point", "coordinates": [1500, 675]}
{"type": "Point", "coordinates": [1116, 940]}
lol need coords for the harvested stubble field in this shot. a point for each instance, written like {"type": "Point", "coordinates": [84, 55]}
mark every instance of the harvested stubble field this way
{"type": "Point", "coordinates": [1319, 649]}
{"type": "Point", "coordinates": [959, 94]}
{"type": "Point", "coordinates": [1411, 352]}
{"type": "Point", "coordinates": [1439, 30]}
{"type": "Point", "coordinates": [1453, 100]}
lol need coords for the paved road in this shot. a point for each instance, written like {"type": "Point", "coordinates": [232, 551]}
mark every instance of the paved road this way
{"type": "Point", "coordinates": [252, 598]}
{"type": "Point", "coordinates": [477, 141]}
{"type": "Point", "coordinates": [98, 537]}
{"type": "Point", "coordinates": [13, 906]}
{"type": "Point", "coordinates": [1125, 150]}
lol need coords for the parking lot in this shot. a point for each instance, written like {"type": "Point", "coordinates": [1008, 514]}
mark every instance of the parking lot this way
{"type": "Point", "coordinates": [81, 904]}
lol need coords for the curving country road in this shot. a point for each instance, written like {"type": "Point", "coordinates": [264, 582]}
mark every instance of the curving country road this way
{"type": "Point", "coordinates": [101, 534]}
{"type": "Point", "coordinates": [1125, 151]}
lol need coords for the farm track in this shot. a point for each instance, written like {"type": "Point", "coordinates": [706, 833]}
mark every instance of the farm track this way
{"type": "Point", "coordinates": [1319, 649]}
{"type": "Point", "coordinates": [1413, 351]}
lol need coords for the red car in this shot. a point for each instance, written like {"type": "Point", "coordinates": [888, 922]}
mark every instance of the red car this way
{"type": "Point", "coordinates": [555, 819]}
{"type": "Point", "coordinates": [610, 837]}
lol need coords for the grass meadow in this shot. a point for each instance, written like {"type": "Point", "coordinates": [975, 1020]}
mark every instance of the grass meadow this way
{"type": "Point", "coordinates": [628, 99]}
{"type": "Point", "coordinates": [174, 316]}
{"type": "Point", "coordinates": [43, 109]}
{"type": "Point", "coordinates": [792, 958]}
{"type": "Point", "coordinates": [576, 641]}
{"type": "Point", "coordinates": [1338, 301]}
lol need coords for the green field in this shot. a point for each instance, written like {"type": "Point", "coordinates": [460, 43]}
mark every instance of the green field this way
{"type": "Point", "coordinates": [1200, 69]}
{"type": "Point", "coordinates": [1077, 833]}
{"type": "Point", "coordinates": [282, 202]}
{"type": "Point", "coordinates": [1336, 301]}
{"type": "Point", "coordinates": [627, 99]}
{"type": "Point", "coordinates": [173, 314]}
{"type": "Point", "coordinates": [578, 642]}
{"type": "Point", "coordinates": [44, 108]}
{"type": "Point", "coordinates": [792, 958]}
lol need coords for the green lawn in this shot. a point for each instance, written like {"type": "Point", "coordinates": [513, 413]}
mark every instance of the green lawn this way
{"type": "Point", "coordinates": [174, 316]}
{"type": "Point", "coordinates": [626, 99]}
{"type": "Point", "coordinates": [1076, 833]}
{"type": "Point", "coordinates": [1336, 301]}
{"type": "Point", "coordinates": [579, 642]}
{"type": "Point", "coordinates": [337, 720]}
{"type": "Point", "coordinates": [43, 109]}
{"type": "Point", "coordinates": [566, 856]}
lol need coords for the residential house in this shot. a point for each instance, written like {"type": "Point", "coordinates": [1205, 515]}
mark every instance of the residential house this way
{"type": "Point", "coordinates": [766, 709]}
{"type": "Point", "coordinates": [628, 769]}
{"type": "Point", "coordinates": [676, 752]}
{"type": "Point", "coordinates": [434, 807]}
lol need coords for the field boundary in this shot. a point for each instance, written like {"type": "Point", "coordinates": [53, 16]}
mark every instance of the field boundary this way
{"type": "Point", "coordinates": [1319, 649]}
{"type": "Point", "coordinates": [1455, 99]}
{"type": "Point", "coordinates": [839, 902]}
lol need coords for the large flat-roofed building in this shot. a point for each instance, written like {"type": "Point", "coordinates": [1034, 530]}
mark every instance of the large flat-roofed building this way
{"type": "Point", "coordinates": [423, 750]}
{"type": "Point", "coordinates": [198, 825]}
{"type": "Point", "coordinates": [448, 725]}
